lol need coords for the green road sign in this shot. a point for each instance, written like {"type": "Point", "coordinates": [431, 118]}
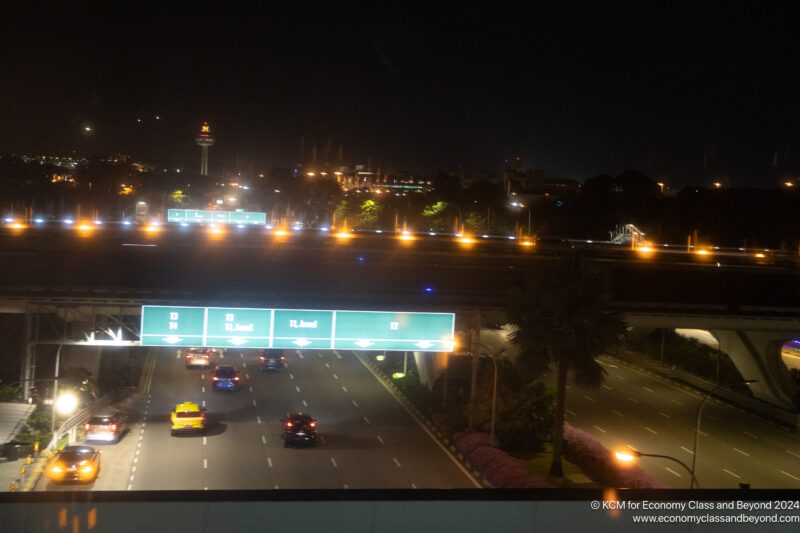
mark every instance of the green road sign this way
{"type": "Point", "coordinates": [198, 216]}
{"type": "Point", "coordinates": [371, 330]}
{"type": "Point", "coordinates": [297, 329]}
{"type": "Point", "coordinates": [173, 326]}
{"type": "Point", "coordinates": [246, 328]}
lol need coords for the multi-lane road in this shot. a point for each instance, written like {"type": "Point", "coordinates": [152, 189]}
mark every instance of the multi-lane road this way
{"type": "Point", "coordinates": [634, 408]}
{"type": "Point", "coordinates": [367, 439]}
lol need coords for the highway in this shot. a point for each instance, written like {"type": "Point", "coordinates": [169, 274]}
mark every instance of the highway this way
{"type": "Point", "coordinates": [366, 437]}
{"type": "Point", "coordinates": [635, 409]}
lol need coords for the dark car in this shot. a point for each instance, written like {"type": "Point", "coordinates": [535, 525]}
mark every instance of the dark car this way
{"type": "Point", "coordinates": [105, 427]}
{"type": "Point", "coordinates": [269, 360]}
{"type": "Point", "coordinates": [74, 463]}
{"type": "Point", "coordinates": [299, 428]}
{"type": "Point", "coordinates": [225, 377]}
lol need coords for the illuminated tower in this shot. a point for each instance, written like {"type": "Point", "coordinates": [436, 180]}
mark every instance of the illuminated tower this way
{"type": "Point", "coordinates": [204, 140]}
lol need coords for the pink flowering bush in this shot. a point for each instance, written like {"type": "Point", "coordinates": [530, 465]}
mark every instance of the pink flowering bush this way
{"type": "Point", "coordinates": [597, 462]}
{"type": "Point", "coordinates": [496, 466]}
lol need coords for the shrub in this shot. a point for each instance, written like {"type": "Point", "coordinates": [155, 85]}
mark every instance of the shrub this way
{"type": "Point", "coordinates": [499, 468]}
{"type": "Point", "coordinates": [596, 462]}
{"type": "Point", "coordinates": [467, 442]}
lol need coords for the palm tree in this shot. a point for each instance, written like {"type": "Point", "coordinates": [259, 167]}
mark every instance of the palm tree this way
{"type": "Point", "coordinates": [563, 321]}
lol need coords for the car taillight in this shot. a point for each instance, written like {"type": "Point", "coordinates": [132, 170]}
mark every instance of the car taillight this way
{"type": "Point", "coordinates": [113, 427]}
{"type": "Point", "coordinates": [205, 356]}
{"type": "Point", "coordinates": [313, 424]}
{"type": "Point", "coordinates": [236, 378]}
{"type": "Point", "coordinates": [283, 358]}
{"type": "Point", "coordinates": [261, 358]}
{"type": "Point", "coordinates": [188, 357]}
{"type": "Point", "coordinates": [86, 427]}
{"type": "Point", "coordinates": [215, 378]}
{"type": "Point", "coordinates": [288, 424]}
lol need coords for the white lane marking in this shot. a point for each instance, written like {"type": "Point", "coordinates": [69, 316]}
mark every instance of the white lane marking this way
{"type": "Point", "coordinates": [305, 404]}
{"type": "Point", "coordinates": [588, 398]}
{"type": "Point", "coordinates": [141, 436]}
{"type": "Point", "coordinates": [741, 452]}
{"type": "Point", "coordinates": [750, 435]}
{"type": "Point", "coordinates": [790, 452]}
{"type": "Point", "coordinates": [140, 444]}
{"type": "Point", "coordinates": [131, 478]}
{"type": "Point", "coordinates": [346, 486]}
{"type": "Point", "coordinates": [607, 387]}
{"type": "Point", "coordinates": [205, 441]}
{"type": "Point", "coordinates": [335, 376]}
{"type": "Point", "coordinates": [712, 418]}
{"type": "Point", "coordinates": [344, 388]}
{"type": "Point", "coordinates": [291, 376]}
{"type": "Point", "coordinates": [298, 389]}
{"type": "Point", "coordinates": [202, 376]}
{"type": "Point", "coordinates": [651, 430]}
{"type": "Point", "coordinates": [366, 420]}
{"type": "Point", "coordinates": [671, 471]}
{"type": "Point", "coordinates": [337, 355]}
{"type": "Point", "coordinates": [333, 461]}
{"type": "Point", "coordinates": [269, 461]}
{"type": "Point", "coordinates": [601, 430]}
{"type": "Point", "coordinates": [791, 476]}
{"type": "Point", "coordinates": [244, 365]}
{"type": "Point", "coordinates": [648, 389]}
{"type": "Point", "coordinates": [178, 355]}
{"type": "Point", "coordinates": [675, 402]}
{"type": "Point", "coordinates": [354, 403]}
{"type": "Point", "coordinates": [326, 364]}
{"type": "Point", "coordinates": [737, 476]}
{"type": "Point", "coordinates": [137, 452]}
{"type": "Point", "coordinates": [396, 461]}
{"type": "Point", "coordinates": [254, 403]}
{"type": "Point", "coordinates": [421, 424]}
{"type": "Point", "coordinates": [130, 487]}
{"type": "Point", "coordinates": [135, 460]}
{"type": "Point", "coordinates": [634, 400]}
{"type": "Point", "coordinates": [413, 486]}
{"type": "Point", "coordinates": [247, 376]}
{"type": "Point", "coordinates": [206, 488]}
{"type": "Point", "coordinates": [202, 389]}
{"type": "Point", "coordinates": [258, 418]}
{"type": "Point", "coordinates": [205, 463]}
{"type": "Point", "coordinates": [665, 415]}
{"type": "Point", "coordinates": [299, 355]}
{"type": "Point", "coordinates": [141, 430]}
{"type": "Point", "coordinates": [570, 412]}
{"type": "Point", "coordinates": [222, 356]}
{"type": "Point", "coordinates": [687, 450]}
{"type": "Point", "coordinates": [380, 439]}
{"type": "Point", "coordinates": [319, 354]}
{"type": "Point", "coordinates": [148, 400]}
{"type": "Point", "coordinates": [618, 413]}
{"type": "Point", "coordinates": [322, 439]}
{"type": "Point", "coordinates": [263, 439]}
{"type": "Point", "coordinates": [703, 433]}
{"type": "Point", "coordinates": [276, 486]}
{"type": "Point", "coordinates": [133, 469]}
{"type": "Point", "coordinates": [203, 403]}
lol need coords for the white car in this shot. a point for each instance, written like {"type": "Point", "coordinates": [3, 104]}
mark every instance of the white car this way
{"type": "Point", "coordinates": [198, 357]}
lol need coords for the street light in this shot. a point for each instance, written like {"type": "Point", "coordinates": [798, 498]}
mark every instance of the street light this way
{"type": "Point", "coordinates": [520, 204]}
{"type": "Point", "coordinates": [700, 414]}
{"type": "Point", "coordinates": [629, 455]}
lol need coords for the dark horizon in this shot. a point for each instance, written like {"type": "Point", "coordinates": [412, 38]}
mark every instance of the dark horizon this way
{"type": "Point", "coordinates": [688, 97]}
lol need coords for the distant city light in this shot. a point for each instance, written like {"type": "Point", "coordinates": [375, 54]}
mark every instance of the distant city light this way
{"type": "Point", "coordinates": [39, 220]}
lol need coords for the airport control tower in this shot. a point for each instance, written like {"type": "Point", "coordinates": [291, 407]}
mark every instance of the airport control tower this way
{"type": "Point", "coordinates": [204, 140]}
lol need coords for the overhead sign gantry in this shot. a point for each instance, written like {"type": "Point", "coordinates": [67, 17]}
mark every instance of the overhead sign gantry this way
{"type": "Point", "coordinates": [297, 328]}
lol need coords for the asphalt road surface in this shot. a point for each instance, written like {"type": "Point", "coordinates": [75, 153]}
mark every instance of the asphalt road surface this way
{"type": "Point", "coordinates": [366, 438]}
{"type": "Point", "coordinates": [656, 417]}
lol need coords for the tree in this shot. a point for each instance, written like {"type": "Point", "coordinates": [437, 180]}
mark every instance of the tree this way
{"type": "Point", "coordinates": [563, 321]}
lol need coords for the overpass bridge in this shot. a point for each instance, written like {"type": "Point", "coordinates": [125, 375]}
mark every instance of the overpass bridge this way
{"type": "Point", "coordinates": [752, 309]}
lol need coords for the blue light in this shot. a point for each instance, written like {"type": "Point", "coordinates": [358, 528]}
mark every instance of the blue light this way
{"type": "Point", "coordinates": [184, 225]}
{"type": "Point", "coordinates": [8, 220]}
{"type": "Point", "coordinates": [361, 259]}
{"type": "Point", "coordinates": [429, 289]}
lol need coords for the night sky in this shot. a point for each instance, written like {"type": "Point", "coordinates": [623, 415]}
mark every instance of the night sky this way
{"type": "Point", "coordinates": [575, 92]}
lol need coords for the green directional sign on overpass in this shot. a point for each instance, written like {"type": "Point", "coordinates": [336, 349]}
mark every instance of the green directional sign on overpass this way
{"type": "Point", "coordinates": [297, 328]}
{"type": "Point", "coordinates": [198, 216]}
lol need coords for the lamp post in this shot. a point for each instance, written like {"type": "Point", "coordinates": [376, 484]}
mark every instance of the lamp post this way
{"type": "Point", "coordinates": [630, 454]}
{"type": "Point", "coordinates": [699, 417]}
{"type": "Point", "coordinates": [55, 390]}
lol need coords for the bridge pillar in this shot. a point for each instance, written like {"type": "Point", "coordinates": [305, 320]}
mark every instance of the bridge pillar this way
{"type": "Point", "coordinates": [757, 355]}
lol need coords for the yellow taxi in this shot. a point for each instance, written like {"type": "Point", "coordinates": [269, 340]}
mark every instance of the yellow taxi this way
{"type": "Point", "coordinates": [188, 417]}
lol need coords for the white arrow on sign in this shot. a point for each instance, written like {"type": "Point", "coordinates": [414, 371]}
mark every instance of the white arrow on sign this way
{"type": "Point", "coordinates": [302, 342]}
{"type": "Point", "coordinates": [424, 344]}
{"type": "Point", "coordinates": [364, 343]}
{"type": "Point", "coordinates": [236, 341]}
{"type": "Point", "coordinates": [172, 339]}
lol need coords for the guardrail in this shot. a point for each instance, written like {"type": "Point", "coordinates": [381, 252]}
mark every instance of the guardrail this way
{"type": "Point", "coordinates": [70, 425]}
